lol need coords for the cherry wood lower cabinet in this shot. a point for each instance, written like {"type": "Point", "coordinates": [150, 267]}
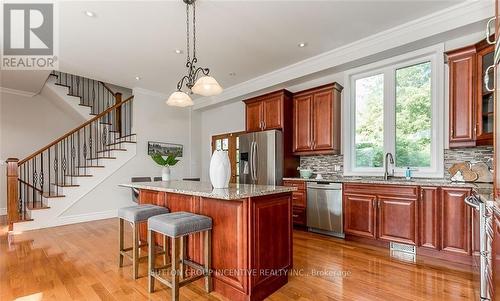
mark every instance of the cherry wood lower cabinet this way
{"type": "Point", "coordinates": [360, 215]}
{"type": "Point", "coordinates": [429, 217]}
{"type": "Point", "coordinates": [435, 219]}
{"type": "Point", "coordinates": [455, 221]}
{"type": "Point", "coordinates": [387, 213]}
{"type": "Point", "coordinates": [398, 218]}
{"type": "Point", "coordinates": [299, 201]}
{"type": "Point", "coordinates": [251, 240]}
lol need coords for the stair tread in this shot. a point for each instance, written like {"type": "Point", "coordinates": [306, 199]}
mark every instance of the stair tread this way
{"type": "Point", "coordinates": [79, 176]}
{"type": "Point", "coordinates": [91, 166]}
{"type": "Point", "coordinates": [37, 208]}
{"type": "Point", "coordinates": [52, 196]}
{"type": "Point", "coordinates": [112, 149]}
{"type": "Point", "coordinates": [65, 185]}
{"type": "Point", "coordinates": [111, 144]}
{"type": "Point", "coordinates": [95, 158]}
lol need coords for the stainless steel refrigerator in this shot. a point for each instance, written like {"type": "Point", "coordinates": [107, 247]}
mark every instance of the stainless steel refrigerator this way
{"type": "Point", "coordinates": [261, 158]}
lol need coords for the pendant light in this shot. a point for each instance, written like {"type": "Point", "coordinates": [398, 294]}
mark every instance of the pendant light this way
{"type": "Point", "coordinates": [205, 85]}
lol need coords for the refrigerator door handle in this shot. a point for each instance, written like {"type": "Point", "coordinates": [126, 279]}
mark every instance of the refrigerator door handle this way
{"type": "Point", "coordinates": [254, 161]}
{"type": "Point", "coordinates": [250, 161]}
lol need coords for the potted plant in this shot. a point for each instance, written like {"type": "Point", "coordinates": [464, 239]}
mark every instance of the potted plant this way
{"type": "Point", "coordinates": [171, 160]}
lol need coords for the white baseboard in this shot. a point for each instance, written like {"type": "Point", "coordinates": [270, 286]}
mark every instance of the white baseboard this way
{"type": "Point", "coordinates": [80, 218]}
{"type": "Point", "coordinates": [3, 211]}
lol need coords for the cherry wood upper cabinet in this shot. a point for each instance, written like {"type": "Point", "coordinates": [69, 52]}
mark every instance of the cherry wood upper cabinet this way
{"type": "Point", "coordinates": [268, 112]}
{"type": "Point", "coordinates": [455, 221]}
{"type": "Point", "coordinates": [462, 68]}
{"type": "Point", "coordinates": [360, 215]}
{"type": "Point", "coordinates": [302, 132]}
{"type": "Point", "coordinates": [470, 103]}
{"type": "Point", "coordinates": [430, 207]}
{"type": "Point", "coordinates": [317, 121]}
{"type": "Point", "coordinates": [398, 219]}
{"type": "Point", "coordinates": [254, 116]}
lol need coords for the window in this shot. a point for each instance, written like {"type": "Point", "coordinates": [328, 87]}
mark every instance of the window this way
{"type": "Point", "coordinates": [231, 143]}
{"type": "Point", "coordinates": [396, 106]}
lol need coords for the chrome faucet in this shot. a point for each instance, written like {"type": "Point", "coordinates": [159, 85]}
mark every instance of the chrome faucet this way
{"type": "Point", "coordinates": [386, 166]}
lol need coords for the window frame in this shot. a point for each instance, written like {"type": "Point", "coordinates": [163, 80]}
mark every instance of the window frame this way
{"type": "Point", "coordinates": [388, 67]}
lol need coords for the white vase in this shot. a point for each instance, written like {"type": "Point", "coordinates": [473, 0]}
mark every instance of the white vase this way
{"type": "Point", "coordinates": [220, 169]}
{"type": "Point", "coordinates": [165, 173]}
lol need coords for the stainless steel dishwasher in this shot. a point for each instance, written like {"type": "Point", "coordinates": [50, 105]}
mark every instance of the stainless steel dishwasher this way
{"type": "Point", "coordinates": [324, 208]}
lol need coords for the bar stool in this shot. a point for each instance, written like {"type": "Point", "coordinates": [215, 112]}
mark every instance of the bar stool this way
{"type": "Point", "coordinates": [177, 226]}
{"type": "Point", "coordinates": [135, 215]}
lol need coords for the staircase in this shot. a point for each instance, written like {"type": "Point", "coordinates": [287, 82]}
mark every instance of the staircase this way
{"type": "Point", "coordinates": [41, 187]}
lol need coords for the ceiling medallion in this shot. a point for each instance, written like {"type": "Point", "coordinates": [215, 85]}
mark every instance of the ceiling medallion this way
{"type": "Point", "coordinates": [204, 85]}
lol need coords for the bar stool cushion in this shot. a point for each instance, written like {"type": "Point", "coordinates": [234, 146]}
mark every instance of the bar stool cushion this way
{"type": "Point", "coordinates": [140, 213]}
{"type": "Point", "coordinates": [179, 223]}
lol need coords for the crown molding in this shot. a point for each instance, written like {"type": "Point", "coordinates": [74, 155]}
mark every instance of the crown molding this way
{"type": "Point", "coordinates": [454, 17]}
{"type": "Point", "coordinates": [17, 92]}
{"type": "Point", "coordinates": [143, 91]}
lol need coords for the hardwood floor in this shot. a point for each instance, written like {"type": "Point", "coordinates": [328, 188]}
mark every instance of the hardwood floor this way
{"type": "Point", "coordinates": [80, 262]}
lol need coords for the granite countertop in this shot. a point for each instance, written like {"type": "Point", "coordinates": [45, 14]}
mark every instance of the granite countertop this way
{"type": "Point", "coordinates": [205, 189]}
{"type": "Point", "coordinates": [481, 188]}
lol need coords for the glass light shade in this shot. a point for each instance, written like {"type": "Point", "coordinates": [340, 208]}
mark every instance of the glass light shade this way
{"type": "Point", "coordinates": [206, 86]}
{"type": "Point", "coordinates": [179, 99]}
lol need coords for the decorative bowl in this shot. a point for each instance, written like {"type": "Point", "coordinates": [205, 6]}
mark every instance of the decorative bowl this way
{"type": "Point", "coordinates": [305, 173]}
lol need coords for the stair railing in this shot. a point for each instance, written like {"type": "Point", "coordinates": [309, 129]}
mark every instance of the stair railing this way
{"type": "Point", "coordinates": [43, 174]}
{"type": "Point", "coordinates": [92, 93]}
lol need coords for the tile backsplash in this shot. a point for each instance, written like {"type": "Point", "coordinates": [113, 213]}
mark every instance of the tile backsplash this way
{"type": "Point", "coordinates": [471, 154]}
{"type": "Point", "coordinates": [325, 164]}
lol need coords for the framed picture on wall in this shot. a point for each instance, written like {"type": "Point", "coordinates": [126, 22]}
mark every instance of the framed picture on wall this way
{"type": "Point", "coordinates": [164, 149]}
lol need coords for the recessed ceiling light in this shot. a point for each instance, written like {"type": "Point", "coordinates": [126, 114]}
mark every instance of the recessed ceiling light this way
{"type": "Point", "coordinates": [232, 74]}
{"type": "Point", "coordinates": [302, 45]}
{"type": "Point", "coordinates": [89, 13]}
{"type": "Point", "coordinates": [137, 78]}
{"type": "Point", "coordinates": [178, 51]}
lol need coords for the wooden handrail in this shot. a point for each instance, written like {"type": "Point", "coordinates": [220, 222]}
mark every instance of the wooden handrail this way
{"type": "Point", "coordinates": [75, 130]}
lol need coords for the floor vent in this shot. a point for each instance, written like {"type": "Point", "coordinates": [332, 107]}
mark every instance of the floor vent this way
{"type": "Point", "coordinates": [403, 252]}
{"type": "Point", "coordinates": [403, 248]}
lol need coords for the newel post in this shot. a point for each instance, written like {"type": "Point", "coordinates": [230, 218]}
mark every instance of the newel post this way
{"type": "Point", "coordinates": [12, 190]}
{"type": "Point", "coordinates": [118, 115]}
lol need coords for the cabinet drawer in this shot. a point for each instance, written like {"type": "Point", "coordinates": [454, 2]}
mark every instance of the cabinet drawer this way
{"type": "Point", "coordinates": [300, 185]}
{"type": "Point", "coordinates": [299, 199]}
{"type": "Point", "coordinates": [299, 216]}
{"type": "Point", "coordinates": [382, 189]}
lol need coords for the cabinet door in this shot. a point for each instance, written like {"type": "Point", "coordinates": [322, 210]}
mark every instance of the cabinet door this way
{"type": "Point", "coordinates": [299, 216]}
{"type": "Point", "coordinates": [360, 215]}
{"type": "Point", "coordinates": [302, 123]}
{"type": "Point", "coordinates": [273, 113]}
{"type": "Point", "coordinates": [254, 111]}
{"type": "Point", "coordinates": [455, 221]}
{"type": "Point", "coordinates": [429, 217]}
{"type": "Point", "coordinates": [462, 95]}
{"type": "Point", "coordinates": [322, 120]}
{"type": "Point", "coordinates": [485, 102]}
{"type": "Point", "coordinates": [299, 199]}
{"type": "Point", "coordinates": [398, 219]}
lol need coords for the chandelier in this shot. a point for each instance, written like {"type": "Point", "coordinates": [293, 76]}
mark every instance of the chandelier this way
{"type": "Point", "coordinates": [204, 85]}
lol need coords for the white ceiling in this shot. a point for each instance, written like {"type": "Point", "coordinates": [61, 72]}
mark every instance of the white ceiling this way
{"type": "Point", "coordinates": [250, 38]}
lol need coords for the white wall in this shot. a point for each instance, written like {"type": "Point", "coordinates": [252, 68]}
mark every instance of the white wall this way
{"type": "Point", "coordinates": [28, 124]}
{"type": "Point", "coordinates": [153, 120]}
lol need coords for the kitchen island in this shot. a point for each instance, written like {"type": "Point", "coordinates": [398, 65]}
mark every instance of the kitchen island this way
{"type": "Point", "coordinates": [251, 235]}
